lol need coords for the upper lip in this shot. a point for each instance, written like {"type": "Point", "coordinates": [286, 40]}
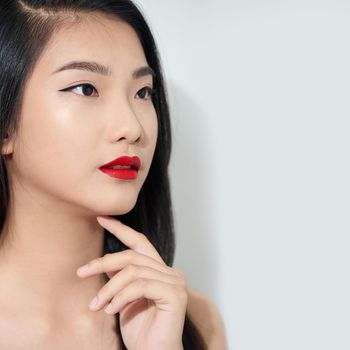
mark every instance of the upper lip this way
{"type": "Point", "coordinates": [134, 162]}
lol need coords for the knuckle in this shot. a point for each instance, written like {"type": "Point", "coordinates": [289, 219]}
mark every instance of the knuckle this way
{"type": "Point", "coordinates": [142, 283]}
{"type": "Point", "coordinates": [177, 272]}
{"type": "Point", "coordinates": [181, 295]}
{"type": "Point", "coordinates": [132, 269]}
{"type": "Point", "coordinates": [183, 282]}
{"type": "Point", "coordinates": [100, 263]}
{"type": "Point", "coordinates": [181, 276]}
{"type": "Point", "coordinates": [129, 254]}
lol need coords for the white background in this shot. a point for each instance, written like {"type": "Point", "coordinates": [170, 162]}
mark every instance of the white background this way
{"type": "Point", "coordinates": [259, 95]}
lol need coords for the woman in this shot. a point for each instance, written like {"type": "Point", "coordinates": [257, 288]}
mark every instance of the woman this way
{"type": "Point", "coordinates": [81, 86]}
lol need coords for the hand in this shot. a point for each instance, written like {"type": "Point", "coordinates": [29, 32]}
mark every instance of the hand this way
{"type": "Point", "coordinates": [150, 296]}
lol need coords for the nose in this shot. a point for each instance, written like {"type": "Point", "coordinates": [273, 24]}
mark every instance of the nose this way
{"type": "Point", "coordinates": [125, 124]}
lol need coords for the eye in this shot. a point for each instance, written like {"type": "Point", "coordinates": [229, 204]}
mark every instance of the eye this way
{"type": "Point", "coordinates": [150, 90]}
{"type": "Point", "coordinates": [87, 88]}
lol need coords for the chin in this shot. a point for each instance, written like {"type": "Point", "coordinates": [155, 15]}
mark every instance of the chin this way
{"type": "Point", "coordinates": [120, 207]}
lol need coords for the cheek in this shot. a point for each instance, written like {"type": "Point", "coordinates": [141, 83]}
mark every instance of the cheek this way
{"type": "Point", "coordinates": [154, 132]}
{"type": "Point", "coordinates": [50, 144]}
{"type": "Point", "coordinates": [150, 126]}
{"type": "Point", "coordinates": [150, 123]}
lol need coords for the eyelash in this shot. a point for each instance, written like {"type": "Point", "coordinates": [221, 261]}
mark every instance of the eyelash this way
{"type": "Point", "coordinates": [151, 90]}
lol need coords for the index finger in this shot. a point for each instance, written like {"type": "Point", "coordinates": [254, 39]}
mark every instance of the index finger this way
{"type": "Point", "coordinates": [130, 237]}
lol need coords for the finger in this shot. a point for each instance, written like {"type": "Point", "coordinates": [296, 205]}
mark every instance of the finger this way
{"type": "Point", "coordinates": [130, 237]}
{"type": "Point", "coordinates": [128, 275]}
{"type": "Point", "coordinates": [167, 297]}
{"type": "Point", "coordinates": [113, 262]}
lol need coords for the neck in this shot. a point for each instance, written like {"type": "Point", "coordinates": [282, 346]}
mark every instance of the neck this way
{"type": "Point", "coordinates": [41, 248]}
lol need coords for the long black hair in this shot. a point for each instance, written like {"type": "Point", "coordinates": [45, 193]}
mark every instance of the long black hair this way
{"type": "Point", "coordinates": [26, 26]}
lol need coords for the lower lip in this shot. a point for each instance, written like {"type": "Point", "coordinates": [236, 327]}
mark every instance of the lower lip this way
{"type": "Point", "coordinates": [124, 174]}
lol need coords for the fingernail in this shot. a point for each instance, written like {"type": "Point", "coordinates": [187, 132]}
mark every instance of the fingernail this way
{"type": "Point", "coordinates": [83, 269]}
{"type": "Point", "coordinates": [93, 304]}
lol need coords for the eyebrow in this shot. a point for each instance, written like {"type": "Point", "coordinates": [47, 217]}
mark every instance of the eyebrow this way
{"type": "Point", "coordinates": [99, 68]}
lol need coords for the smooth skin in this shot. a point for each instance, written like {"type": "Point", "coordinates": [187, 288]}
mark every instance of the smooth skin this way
{"type": "Point", "coordinates": [150, 296]}
{"type": "Point", "coordinates": [66, 133]}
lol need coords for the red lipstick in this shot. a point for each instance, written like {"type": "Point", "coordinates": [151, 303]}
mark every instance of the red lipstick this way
{"type": "Point", "coordinates": [125, 168]}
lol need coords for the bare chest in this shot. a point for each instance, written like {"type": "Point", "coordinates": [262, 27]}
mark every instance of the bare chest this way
{"type": "Point", "coordinates": [18, 337]}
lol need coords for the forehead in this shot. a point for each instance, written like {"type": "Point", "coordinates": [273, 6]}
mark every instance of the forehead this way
{"type": "Point", "coordinates": [96, 38]}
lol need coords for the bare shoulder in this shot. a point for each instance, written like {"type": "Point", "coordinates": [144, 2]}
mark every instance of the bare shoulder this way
{"type": "Point", "coordinates": [207, 318]}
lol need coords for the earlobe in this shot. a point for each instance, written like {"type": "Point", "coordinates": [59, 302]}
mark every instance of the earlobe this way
{"type": "Point", "coordinates": [6, 150]}
{"type": "Point", "coordinates": [7, 145]}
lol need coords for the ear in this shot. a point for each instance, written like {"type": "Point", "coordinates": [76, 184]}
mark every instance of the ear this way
{"type": "Point", "coordinates": [7, 145]}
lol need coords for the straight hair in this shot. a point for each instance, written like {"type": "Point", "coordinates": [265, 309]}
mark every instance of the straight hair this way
{"type": "Point", "coordinates": [26, 26]}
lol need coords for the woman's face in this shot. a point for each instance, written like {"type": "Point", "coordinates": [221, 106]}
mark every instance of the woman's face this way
{"type": "Point", "coordinates": [65, 136]}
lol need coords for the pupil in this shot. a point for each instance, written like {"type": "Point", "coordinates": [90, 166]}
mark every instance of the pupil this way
{"type": "Point", "coordinates": [88, 88]}
{"type": "Point", "coordinates": [144, 92]}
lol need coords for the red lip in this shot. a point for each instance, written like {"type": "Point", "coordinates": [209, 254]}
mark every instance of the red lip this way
{"type": "Point", "coordinates": [123, 173]}
{"type": "Point", "coordinates": [133, 162]}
